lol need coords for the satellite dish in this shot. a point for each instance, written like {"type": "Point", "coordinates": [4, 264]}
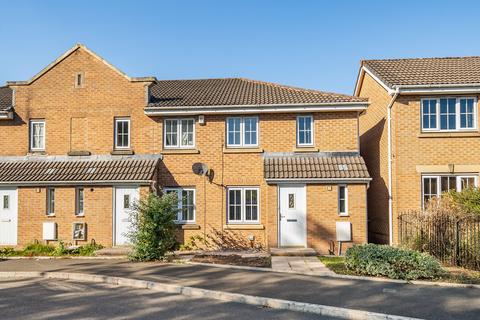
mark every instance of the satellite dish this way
{"type": "Point", "coordinates": [200, 169]}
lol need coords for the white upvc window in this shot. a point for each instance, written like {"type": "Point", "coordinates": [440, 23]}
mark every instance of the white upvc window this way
{"type": "Point", "coordinates": [242, 131]}
{"type": "Point", "coordinates": [122, 133]}
{"type": "Point", "coordinates": [185, 203]}
{"type": "Point", "coordinates": [50, 201]}
{"type": "Point", "coordinates": [79, 201]}
{"type": "Point", "coordinates": [243, 205]}
{"type": "Point", "coordinates": [435, 185]}
{"type": "Point", "coordinates": [37, 135]}
{"type": "Point", "coordinates": [305, 131]}
{"type": "Point", "coordinates": [449, 114]}
{"type": "Point", "coordinates": [179, 133]}
{"type": "Point", "coordinates": [342, 200]}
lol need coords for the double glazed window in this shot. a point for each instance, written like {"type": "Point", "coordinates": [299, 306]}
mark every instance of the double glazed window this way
{"type": "Point", "coordinates": [342, 200]}
{"type": "Point", "coordinates": [37, 135]}
{"type": "Point", "coordinates": [433, 186]}
{"type": "Point", "coordinates": [179, 133]}
{"type": "Point", "coordinates": [186, 204]}
{"type": "Point", "coordinates": [50, 201]}
{"type": "Point", "coordinates": [242, 131]}
{"type": "Point", "coordinates": [122, 133]}
{"type": "Point", "coordinates": [79, 201]}
{"type": "Point", "coordinates": [305, 131]}
{"type": "Point", "coordinates": [243, 205]}
{"type": "Point", "coordinates": [449, 114]}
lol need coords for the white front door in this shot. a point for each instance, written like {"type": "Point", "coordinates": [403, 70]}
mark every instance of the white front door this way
{"type": "Point", "coordinates": [293, 216]}
{"type": "Point", "coordinates": [8, 216]}
{"type": "Point", "coordinates": [125, 197]}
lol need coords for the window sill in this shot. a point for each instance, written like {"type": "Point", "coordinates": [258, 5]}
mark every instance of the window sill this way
{"type": "Point", "coordinates": [79, 215]}
{"type": "Point", "coordinates": [242, 150]}
{"type": "Point", "coordinates": [461, 134]}
{"type": "Point", "coordinates": [78, 153]}
{"type": "Point", "coordinates": [50, 215]}
{"type": "Point", "coordinates": [305, 149]}
{"type": "Point", "coordinates": [37, 153]}
{"type": "Point", "coordinates": [344, 215]}
{"type": "Point", "coordinates": [188, 226]}
{"type": "Point", "coordinates": [122, 152]}
{"type": "Point", "coordinates": [180, 151]}
{"type": "Point", "coordinates": [243, 227]}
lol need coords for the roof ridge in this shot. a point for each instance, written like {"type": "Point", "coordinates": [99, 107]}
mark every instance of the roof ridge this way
{"type": "Point", "coordinates": [421, 58]}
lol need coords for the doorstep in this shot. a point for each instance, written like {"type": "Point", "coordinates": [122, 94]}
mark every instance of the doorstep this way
{"type": "Point", "coordinates": [114, 251]}
{"type": "Point", "coordinates": [293, 252]}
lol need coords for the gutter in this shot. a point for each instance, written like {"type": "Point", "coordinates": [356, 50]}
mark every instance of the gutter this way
{"type": "Point", "coordinates": [6, 114]}
{"type": "Point", "coordinates": [389, 152]}
{"type": "Point", "coordinates": [272, 108]}
{"type": "Point", "coordinates": [76, 183]}
{"type": "Point", "coordinates": [318, 180]}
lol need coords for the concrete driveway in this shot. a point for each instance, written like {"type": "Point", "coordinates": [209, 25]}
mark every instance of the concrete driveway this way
{"type": "Point", "coordinates": [54, 299]}
{"type": "Point", "coordinates": [420, 301]}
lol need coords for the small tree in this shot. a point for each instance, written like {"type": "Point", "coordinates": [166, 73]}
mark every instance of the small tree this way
{"type": "Point", "coordinates": [152, 233]}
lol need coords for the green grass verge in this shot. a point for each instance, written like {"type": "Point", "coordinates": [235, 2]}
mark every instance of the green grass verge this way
{"type": "Point", "coordinates": [37, 249]}
{"type": "Point", "coordinates": [453, 275]}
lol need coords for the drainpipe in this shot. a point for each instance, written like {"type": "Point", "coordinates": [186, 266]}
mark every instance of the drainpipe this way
{"type": "Point", "coordinates": [389, 148]}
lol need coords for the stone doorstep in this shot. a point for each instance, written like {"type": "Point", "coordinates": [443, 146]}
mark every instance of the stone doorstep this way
{"type": "Point", "coordinates": [114, 251]}
{"type": "Point", "coordinates": [293, 252]}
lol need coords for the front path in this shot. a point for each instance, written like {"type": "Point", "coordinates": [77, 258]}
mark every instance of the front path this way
{"type": "Point", "coordinates": [421, 301]}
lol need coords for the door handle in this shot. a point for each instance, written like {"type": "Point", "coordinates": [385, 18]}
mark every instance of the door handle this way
{"type": "Point", "coordinates": [6, 220]}
{"type": "Point", "coordinates": [291, 220]}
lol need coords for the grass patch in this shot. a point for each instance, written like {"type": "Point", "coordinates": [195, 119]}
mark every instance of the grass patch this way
{"type": "Point", "coordinates": [452, 275]}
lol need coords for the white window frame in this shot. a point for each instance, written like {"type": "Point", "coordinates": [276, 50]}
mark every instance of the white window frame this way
{"type": "Point", "coordinates": [345, 212]}
{"type": "Point", "coordinates": [78, 212]}
{"type": "Point", "coordinates": [457, 115]}
{"type": "Point", "coordinates": [117, 121]}
{"type": "Point", "coordinates": [32, 122]}
{"type": "Point", "coordinates": [49, 199]}
{"type": "Point", "coordinates": [178, 191]}
{"type": "Point", "coordinates": [312, 124]}
{"type": "Point", "coordinates": [458, 183]}
{"type": "Point", "coordinates": [179, 133]}
{"type": "Point", "coordinates": [243, 206]}
{"type": "Point", "coordinates": [242, 143]}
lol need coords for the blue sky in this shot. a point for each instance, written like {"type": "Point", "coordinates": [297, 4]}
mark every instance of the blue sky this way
{"type": "Point", "coordinates": [313, 44]}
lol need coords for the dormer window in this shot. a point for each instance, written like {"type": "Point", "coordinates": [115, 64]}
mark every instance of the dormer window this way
{"type": "Point", "coordinates": [449, 114]}
{"type": "Point", "coordinates": [79, 80]}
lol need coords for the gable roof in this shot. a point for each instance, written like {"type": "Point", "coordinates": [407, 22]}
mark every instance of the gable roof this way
{"type": "Point", "coordinates": [237, 93]}
{"type": "Point", "coordinates": [68, 53]}
{"type": "Point", "coordinates": [322, 166]}
{"type": "Point", "coordinates": [6, 98]}
{"type": "Point", "coordinates": [87, 171]}
{"type": "Point", "coordinates": [424, 72]}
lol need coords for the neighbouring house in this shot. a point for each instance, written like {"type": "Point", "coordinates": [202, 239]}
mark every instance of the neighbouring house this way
{"type": "Point", "coordinates": [420, 135]}
{"type": "Point", "coordinates": [253, 163]}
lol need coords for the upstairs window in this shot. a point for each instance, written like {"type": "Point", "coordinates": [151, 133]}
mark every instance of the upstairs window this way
{"type": "Point", "coordinates": [122, 133]}
{"type": "Point", "coordinates": [79, 201]}
{"type": "Point", "coordinates": [304, 131]}
{"type": "Point", "coordinates": [449, 114]}
{"type": "Point", "coordinates": [242, 132]}
{"type": "Point", "coordinates": [179, 133]}
{"type": "Point", "coordinates": [37, 135]}
{"type": "Point", "coordinates": [79, 80]}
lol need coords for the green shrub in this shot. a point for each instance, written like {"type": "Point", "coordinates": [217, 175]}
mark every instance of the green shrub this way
{"type": "Point", "coordinates": [153, 228]}
{"type": "Point", "coordinates": [89, 249]}
{"type": "Point", "coordinates": [8, 252]}
{"type": "Point", "coordinates": [38, 249]}
{"type": "Point", "coordinates": [467, 200]}
{"type": "Point", "coordinates": [391, 262]}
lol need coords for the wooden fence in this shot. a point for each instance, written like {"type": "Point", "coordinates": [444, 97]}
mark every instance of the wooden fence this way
{"type": "Point", "coordinates": [454, 241]}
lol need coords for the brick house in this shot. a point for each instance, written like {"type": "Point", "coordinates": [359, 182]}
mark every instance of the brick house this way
{"type": "Point", "coordinates": [85, 141]}
{"type": "Point", "coordinates": [419, 136]}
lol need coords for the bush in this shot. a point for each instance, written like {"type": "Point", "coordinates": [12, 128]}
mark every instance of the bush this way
{"type": "Point", "coordinates": [8, 252]}
{"type": "Point", "coordinates": [467, 200]}
{"type": "Point", "coordinates": [38, 249]}
{"type": "Point", "coordinates": [391, 262]}
{"type": "Point", "coordinates": [89, 249]}
{"type": "Point", "coordinates": [153, 229]}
